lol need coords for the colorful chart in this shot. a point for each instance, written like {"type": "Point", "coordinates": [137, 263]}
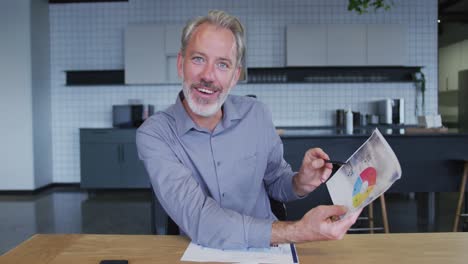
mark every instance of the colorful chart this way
{"type": "Point", "coordinates": [364, 185]}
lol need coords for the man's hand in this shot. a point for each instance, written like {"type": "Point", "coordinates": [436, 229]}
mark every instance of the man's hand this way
{"type": "Point", "coordinates": [313, 172]}
{"type": "Point", "coordinates": [320, 223]}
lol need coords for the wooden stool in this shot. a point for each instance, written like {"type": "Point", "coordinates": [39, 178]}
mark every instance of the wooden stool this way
{"type": "Point", "coordinates": [461, 195]}
{"type": "Point", "coordinates": [370, 218]}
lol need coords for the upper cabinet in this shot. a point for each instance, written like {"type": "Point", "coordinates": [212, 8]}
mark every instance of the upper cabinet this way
{"type": "Point", "coordinates": [151, 53]}
{"type": "Point", "coordinates": [305, 45]}
{"type": "Point", "coordinates": [386, 45]}
{"type": "Point", "coordinates": [346, 45]}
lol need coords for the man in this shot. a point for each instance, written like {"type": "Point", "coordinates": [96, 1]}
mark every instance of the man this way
{"type": "Point", "coordinates": [213, 158]}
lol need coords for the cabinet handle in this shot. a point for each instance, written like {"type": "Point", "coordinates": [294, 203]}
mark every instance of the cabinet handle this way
{"type": "Point", "coordinates": [122, 150]}
{"type": "Point", "coordinates": [119, 158]}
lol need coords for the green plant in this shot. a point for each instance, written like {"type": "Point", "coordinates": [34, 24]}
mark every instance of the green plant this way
{"type": "Point", "coordinates": [362, 6]}
{"type": "Point", "coordinates": [420, 81]}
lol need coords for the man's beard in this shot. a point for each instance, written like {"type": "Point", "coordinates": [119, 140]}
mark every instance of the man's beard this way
{"type": "Point", "coordinates": [201, 106]}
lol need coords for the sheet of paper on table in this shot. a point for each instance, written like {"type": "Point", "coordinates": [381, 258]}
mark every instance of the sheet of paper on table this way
{"type": "Point", "coordinates": [283, 253]}
{"type": "Point", "coordinates": [367, 174]}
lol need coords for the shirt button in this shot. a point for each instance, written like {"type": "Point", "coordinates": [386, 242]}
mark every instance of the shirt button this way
{"type": "Point", "coordinates": [218, 163]}
{"type": "Point", "coordinates": [223, 194]}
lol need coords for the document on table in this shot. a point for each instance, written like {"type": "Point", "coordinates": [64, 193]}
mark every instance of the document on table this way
{"type": "Point", "coordinates": [367, 174]}
{"type": "Point", "coordinates": [283, 253]}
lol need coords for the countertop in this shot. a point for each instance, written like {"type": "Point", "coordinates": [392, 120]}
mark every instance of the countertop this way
{"type": "Point", "coordinates": [331, 131]}
{"type": "Point", "coordinates": [310, 131]}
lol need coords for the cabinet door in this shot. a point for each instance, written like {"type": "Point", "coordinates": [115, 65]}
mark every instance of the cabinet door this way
{"type": "Point", "coordinates": [443, 69]}
{"type": "Point", "coordinates": [306, 45]}
{"type": "Point", "coordinates": [145, 54]}
{"type": "Point", "coordinates": [133, 172]}
{"type": "Point", "coordinates": [386, 45]}
{"type": "Point", "coordinates": [346, 45]}
{"type": "Point", "coordinates": [100, 165]}
{"type": "Point", "coordinates": [464, 55]}
{"type": "Point", "coordinates": [454, 60]}
{"type": "Point", "coordinates": [172, 48]}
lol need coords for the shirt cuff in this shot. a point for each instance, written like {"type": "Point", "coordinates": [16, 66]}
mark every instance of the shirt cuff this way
{"type": "Point", "coordinates": [290, 188]}
{"type": "Point", "coordinates": [259, 233]}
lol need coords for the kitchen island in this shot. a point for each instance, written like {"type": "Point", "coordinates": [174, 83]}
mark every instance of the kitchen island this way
{"type": "Point", "coordinates": [431, 162]}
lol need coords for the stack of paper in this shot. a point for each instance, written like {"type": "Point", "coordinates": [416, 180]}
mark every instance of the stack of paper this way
{"type": "Point", "coordinates": [283, 253]}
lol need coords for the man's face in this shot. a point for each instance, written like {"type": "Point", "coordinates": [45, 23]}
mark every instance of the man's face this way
{"type": "Point", "coordinates": [208, 68]}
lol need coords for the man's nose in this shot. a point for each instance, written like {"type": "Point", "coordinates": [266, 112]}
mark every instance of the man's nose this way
{"type": "Point", "coordinates": [208, 72]}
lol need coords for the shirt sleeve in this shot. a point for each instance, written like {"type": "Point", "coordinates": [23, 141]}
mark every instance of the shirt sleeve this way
{"type": "Point", "coordinates": [278, 174]}
{"type": "Point", "coordinates": [196, 213]}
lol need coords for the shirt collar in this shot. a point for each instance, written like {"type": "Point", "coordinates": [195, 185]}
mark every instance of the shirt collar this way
{"type": "Point", "coordinates": [184, 123]}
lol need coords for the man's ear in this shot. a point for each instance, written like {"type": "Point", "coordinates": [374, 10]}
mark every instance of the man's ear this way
{"type": "Point", "coordinates": [180, 65]}
{"type": "Point", "coordinates": [236, 76]}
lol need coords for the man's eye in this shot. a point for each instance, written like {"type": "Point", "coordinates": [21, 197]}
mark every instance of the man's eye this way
{"type": "Point", "coordinates": [223, 66]}
{"type": "Point", "coordinates": [198, 60]}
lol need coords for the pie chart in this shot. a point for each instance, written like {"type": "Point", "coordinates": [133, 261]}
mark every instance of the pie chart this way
{"type": "Point", "coordinates": [364, 185]}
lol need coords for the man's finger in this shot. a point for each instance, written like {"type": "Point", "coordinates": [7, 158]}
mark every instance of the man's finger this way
{"type": "Point", "coordinates": [334, 210]}
{"type": "Point", "coordinates": [349, 220]}
{"type": "Point", "coordinates": [318, 163]}
{"type": "Point", "coordinates": [319, 153]}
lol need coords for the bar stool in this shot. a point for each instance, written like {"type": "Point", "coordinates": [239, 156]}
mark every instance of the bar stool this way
{"type": "Point", "coordinates": [370, 218]}
{"type": "Point", "coordinates": [461, 195]}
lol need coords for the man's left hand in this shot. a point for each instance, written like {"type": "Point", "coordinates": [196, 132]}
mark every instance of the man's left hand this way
{"type": "Point", "coordinates": [314, 171]}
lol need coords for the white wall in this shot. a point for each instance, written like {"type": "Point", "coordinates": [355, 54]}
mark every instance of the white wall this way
{"type": "Point", "coordinates": [40, 64]}
{"type": "Point", "coordinates": [24, 95]}
{"type": "Point", "coordinates": [16, 141]}
{"type": "Point", "coordinates": [90, 36]}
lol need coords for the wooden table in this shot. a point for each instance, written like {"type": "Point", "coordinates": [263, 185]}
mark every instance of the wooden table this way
{"type": "Point", "coordinates": [358, 248]}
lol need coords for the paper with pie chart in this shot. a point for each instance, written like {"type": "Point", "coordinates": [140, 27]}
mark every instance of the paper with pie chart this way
{"type": "Point", "coordinates": [367, 174]}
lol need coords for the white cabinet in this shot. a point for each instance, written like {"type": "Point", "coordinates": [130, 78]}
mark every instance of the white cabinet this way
{"type": "Point", "coordinates": [346, 45]}
{"type": "Point", "coordinates": [306, 45]}
{"type": "Point", "coordinates": [386, 45]}
{"type": "Point", "coordinates": [172, 47]}
{"type": "Point", "coordinates": [151, 53]}
{"type": "Point", "coordinates": [144, 54]}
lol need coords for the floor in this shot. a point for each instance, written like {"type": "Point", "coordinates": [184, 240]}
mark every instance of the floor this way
{"type": "Point", "coordinates": [72, 210]}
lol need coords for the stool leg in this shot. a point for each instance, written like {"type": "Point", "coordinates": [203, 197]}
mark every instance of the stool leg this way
{"type": "Point", "coordinates": [460, 197]}
{"type": "Point", "coordinates": [371, 218]}
{"type": "Point", "coordinates": [384, 214]}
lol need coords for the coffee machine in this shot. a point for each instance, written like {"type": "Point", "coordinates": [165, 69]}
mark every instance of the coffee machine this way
{"type": "Point", "coordinates": [392, 111]}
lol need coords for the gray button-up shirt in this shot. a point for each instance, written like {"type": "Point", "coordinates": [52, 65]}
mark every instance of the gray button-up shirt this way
{"type": "Point", "coordinates": [215, 185]}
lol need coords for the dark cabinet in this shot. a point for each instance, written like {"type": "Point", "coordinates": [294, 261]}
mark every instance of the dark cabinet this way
{"type": "Point", "coordinates": [109, 159]}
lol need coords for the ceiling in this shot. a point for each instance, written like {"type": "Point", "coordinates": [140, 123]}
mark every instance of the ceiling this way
{"type": "Point", "coordinates": [453, 11]}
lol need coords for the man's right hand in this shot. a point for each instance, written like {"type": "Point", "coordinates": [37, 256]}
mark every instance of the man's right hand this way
{"type": "Point", "coordinates": [317, 224]}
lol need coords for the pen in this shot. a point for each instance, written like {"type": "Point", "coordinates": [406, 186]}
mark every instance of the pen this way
{"type": "Point", "coordinates": [334, 162]}
{"type": "Point", "coordinates": [340, 163]}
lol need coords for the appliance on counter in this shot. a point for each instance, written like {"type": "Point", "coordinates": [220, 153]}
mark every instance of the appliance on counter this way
{"type": "Point", "coordinates": [130, 116]}
{"type": "Point", "coordinates": [392, 111]}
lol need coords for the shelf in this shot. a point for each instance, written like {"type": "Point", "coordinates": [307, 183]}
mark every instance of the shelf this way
{"type": "Point", "coordinates": [95, 77]}
{"type": "Point", "coordinates": [332, 74]}
{"type": "Point", "coordinates": [272, 75]}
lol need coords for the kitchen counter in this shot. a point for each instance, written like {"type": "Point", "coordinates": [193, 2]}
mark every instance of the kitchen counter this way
{"type": "Point", "coordinates": [320, 132]}
{"type": "Point", "coordinates": [431, 160]}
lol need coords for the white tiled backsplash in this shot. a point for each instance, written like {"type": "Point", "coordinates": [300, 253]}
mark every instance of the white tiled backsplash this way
{"type": "Point", "coordinates": [90, 36]}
